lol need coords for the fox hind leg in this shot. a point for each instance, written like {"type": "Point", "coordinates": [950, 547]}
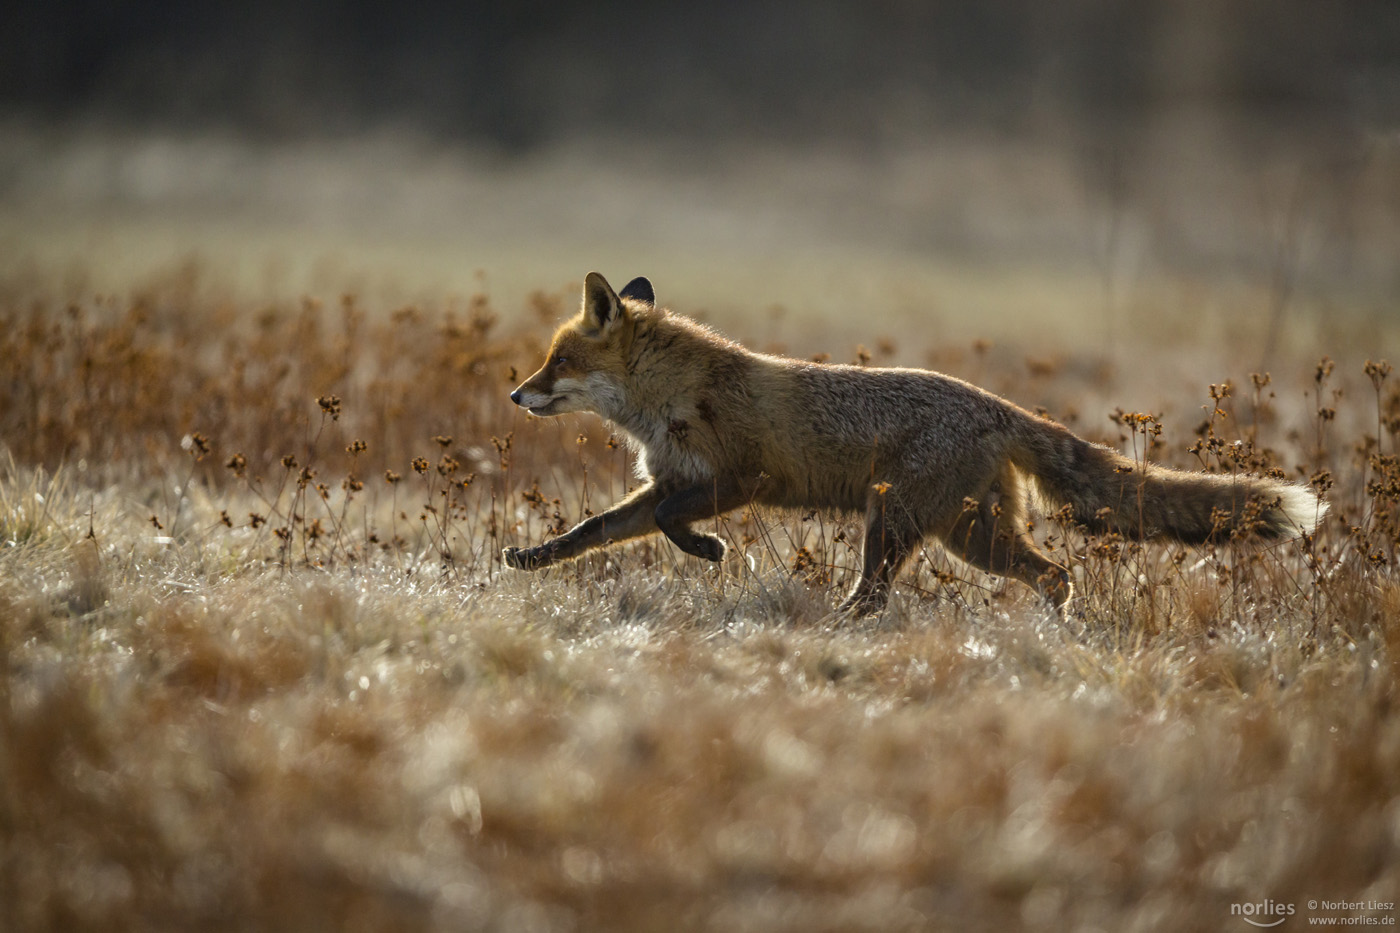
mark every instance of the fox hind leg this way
{"type": "Point", "coordinates": [998, 544]}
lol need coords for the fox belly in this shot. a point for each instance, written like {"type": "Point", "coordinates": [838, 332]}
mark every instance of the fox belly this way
{"type": "Point", "coordinates": [921, 454]}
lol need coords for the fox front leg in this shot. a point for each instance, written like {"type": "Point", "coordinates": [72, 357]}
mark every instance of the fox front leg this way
{"type": "Point", "coordinates": [695, 503]}
{"type": "Point", "coordinates": [633, 517]}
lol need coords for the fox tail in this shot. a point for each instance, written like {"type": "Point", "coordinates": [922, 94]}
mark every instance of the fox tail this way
{"type": "Point", "coordinates": [1107, 492]}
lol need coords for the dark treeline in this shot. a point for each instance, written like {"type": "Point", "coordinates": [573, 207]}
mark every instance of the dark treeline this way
{"type": "Point", "coordinates": [527, 73]}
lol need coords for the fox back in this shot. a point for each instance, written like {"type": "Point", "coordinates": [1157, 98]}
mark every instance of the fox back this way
{"type": "Point", "coordinates": [920, 453]}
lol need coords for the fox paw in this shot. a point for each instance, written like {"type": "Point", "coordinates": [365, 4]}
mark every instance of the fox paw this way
{"type": "Point", "coordinates": [525, 558]}
{"type": "Point", "coordinates": [1058, 591]}
{"type": "Point", "coordinates": [708, 547]}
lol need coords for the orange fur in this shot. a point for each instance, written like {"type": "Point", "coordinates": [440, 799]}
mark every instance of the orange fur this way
{"type": "Point", "coordinates": [921, 454]}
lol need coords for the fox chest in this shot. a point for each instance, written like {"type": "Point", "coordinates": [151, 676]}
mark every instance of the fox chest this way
{"type": "Point", "coordinates": [675, 452]}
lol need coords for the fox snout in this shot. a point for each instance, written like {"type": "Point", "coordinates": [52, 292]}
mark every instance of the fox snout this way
{"type": "Point", "coordinates": [532, 392]}
{"type": "Point", "coordinates": [537, 399]}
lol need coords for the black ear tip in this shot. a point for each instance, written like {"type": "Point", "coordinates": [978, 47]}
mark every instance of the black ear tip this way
{"type": "Point", "coordinates": [599, 302]}
{"type": "Point", "coordinates": [639, 289]}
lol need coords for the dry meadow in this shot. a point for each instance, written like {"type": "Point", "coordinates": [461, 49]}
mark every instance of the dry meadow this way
{"type": "Point", "coordinates": [261, 667]}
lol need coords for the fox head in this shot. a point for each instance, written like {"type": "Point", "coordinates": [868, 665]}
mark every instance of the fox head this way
{"type": "Point", "coordinates": [586, 364]}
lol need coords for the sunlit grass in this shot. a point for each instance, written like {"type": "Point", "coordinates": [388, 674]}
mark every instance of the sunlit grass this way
{"type": "Point", "coordinates": [260, 665]}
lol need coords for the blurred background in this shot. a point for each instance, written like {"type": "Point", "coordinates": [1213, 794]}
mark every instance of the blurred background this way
{"type": "Point", "coordinates": [1082, 171]}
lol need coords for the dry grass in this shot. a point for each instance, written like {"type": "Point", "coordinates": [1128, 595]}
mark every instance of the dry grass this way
{"type": "Point", "coordinates": [260, 667]}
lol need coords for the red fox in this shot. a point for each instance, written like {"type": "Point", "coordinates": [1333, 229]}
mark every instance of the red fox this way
{"type": "Point", "coordinates": [921, 454]}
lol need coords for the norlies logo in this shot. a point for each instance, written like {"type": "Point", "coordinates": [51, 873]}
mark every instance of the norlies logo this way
{"type": "Point", "coordinates": [1265, 913]}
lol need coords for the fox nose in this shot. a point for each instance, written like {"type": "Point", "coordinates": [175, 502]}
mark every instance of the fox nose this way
{"type": "Point", "coordinates": [515, 396]}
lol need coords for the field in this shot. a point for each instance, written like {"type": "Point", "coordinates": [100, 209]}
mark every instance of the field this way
{"type": "Point", "coordinates": [261, 667]}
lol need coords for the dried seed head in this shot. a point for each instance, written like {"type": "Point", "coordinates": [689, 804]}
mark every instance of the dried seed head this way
{"type": "Point", "coordinates": [196, 444]}
{"type": "Point", "coordinates": [1218, 392]}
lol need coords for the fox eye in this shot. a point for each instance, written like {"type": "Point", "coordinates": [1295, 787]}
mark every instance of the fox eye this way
{"type": "Point", "coordinates": [560, 360]}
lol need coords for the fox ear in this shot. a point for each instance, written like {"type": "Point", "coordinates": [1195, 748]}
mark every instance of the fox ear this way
{"type": "Point", "coordinates": [639, 289]}
{"type": "Point", "coordinates": [601, 309]}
